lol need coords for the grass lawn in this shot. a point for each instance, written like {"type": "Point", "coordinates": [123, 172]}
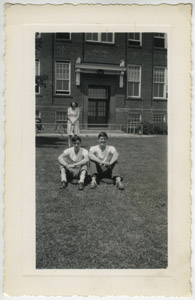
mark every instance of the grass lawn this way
{"type": "Point", "coordinates": [103, 228]}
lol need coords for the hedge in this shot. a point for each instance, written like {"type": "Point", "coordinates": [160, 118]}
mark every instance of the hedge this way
{"type": "Point", "coordinates": [155, 128]}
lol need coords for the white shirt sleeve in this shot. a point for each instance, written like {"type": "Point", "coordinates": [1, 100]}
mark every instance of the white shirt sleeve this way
{"type": "Point", "coordinates": [112, 149]}
{"type": "Point", "coordinates": [67, 152]}
{"type": "Point", "coordinates": [92, 149]}
{"type": "Point", "coordinates": [85, 153]}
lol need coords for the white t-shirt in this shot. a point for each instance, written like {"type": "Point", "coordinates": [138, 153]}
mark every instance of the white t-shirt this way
{"type": "Point", "coordinates": [104, 156]}
{"type": "Point", "coordinates": [73, 157]}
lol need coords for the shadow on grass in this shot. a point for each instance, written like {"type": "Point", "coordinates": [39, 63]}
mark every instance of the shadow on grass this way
{"type": "Point", "coordinates": [50, 142]}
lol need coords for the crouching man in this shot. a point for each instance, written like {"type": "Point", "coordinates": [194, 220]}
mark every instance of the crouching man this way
{"type": "Point", "coordinates": [73, 164]}
{"type": "Point", "coordinates": [103, 162]}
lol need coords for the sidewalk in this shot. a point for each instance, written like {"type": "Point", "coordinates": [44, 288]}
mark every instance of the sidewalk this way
{"type": "Point", "coordinates": [91, 134]}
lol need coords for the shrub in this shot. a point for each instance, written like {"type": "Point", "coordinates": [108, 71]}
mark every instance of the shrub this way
{"type": "Point", "coordinates": [154, 128]}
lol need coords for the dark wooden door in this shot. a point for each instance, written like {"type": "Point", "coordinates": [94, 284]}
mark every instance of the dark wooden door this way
{"type": "Point", "coordinates": [98, 106]}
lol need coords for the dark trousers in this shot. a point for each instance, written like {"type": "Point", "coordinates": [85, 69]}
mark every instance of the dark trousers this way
{"type": "Point", "coordinates": [104, 171]}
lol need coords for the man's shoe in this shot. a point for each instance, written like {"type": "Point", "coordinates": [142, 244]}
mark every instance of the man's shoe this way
{"type": "Point", "coordinates": [93, 184]}
{"type": "Point", "coordinates": [120, 185]}
{"type": "Point", "coordinates": [81, 186]}
{"type": "Point", "coordinates": [63, 185]}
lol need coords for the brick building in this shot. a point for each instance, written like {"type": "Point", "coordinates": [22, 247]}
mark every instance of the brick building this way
{"type": "Point", "coordinates": [114, 77]}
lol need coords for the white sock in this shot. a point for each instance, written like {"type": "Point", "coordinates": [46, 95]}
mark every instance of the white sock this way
{"type": "Point", "coordinates": [63, 175]}
{"type": "Point", "coordinates": [82, 176]}
{"type": "Point", "coordinates": [118, 179]}
{"type": "Point", "coordinates": [93, 179]}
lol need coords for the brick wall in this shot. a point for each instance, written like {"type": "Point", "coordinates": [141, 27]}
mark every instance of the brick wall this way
{"type": "Point", "coordinates": [145, 56]}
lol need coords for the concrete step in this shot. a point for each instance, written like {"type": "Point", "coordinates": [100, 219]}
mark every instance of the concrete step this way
{"type": "Point", "coordinates": [97, 131]}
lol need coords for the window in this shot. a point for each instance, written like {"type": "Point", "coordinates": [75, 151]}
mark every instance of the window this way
{"type": "Point", "coordinates": [134, 81]}
{"type": "Point", "coordinates": [159, 118]}
{"type": "Point", "coordinates": [63, 36]}
{"type": "Point", "coordinates": [160, 87]}
{"type": "Point", "coordinates": [60, 116]}
{"type": "Point", "coordinates": [98, 93]}
{"type": "Point", "coordinates": [37, 73]}
{"type": "Point", "coordinates": [160, 40]}
{"type": "Point", "coordinates": [100, 37]}
{"type": "Point", "coordinates": [134, 118]}
{"type": "Point", "coordinates": [62, 76]}
{"type": "Point", "coordinates": [135, 39]}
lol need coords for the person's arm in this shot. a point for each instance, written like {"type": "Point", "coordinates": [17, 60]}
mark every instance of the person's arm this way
{"type": "Point", "coordinates": [69, 116]}
{"type": "Point", "coordinates": [78, 114]}
{"type": "Point", "coordinates": [62, 159]}
{"type": "Point", "coordinates": [93, 157]}
{"type": "Point", "coordinates": [114, 158]}
{"type": "Point", "coordinates": [80, 163]}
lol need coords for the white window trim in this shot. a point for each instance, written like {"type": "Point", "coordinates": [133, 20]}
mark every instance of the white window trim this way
{"type": "Point", "coordinates": [164, 117]}
{"type": "Point", "coordinates": [165, 38]}
{"type": "Point", "coordinates": [140, 82]}
{"type": "Point", "coordinates": [140, 40]}
{"type": "Point", "coordinates": [140, 117]}
{"type": "Point", "coordinates": [69, 85]}
{"type": "Point", "coordinates": [99, 38]}
{"type": "Point", "coordinates": [39, 72]}
{"type": "Point", "coordinates": [165, 83]}
{"type": "Point", "coordinates": [58, 39]}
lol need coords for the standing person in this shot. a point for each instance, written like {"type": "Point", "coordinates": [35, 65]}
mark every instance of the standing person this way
{"type": "Point", "coordinates": [73, 121]}
{"type": "Point", "coordinates": [104, 162]}
{"type": "Point", "coordinates": [73, 164]}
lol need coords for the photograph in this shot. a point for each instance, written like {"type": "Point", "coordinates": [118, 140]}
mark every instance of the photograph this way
{"type": "Point", "coordinates": [101, 138]}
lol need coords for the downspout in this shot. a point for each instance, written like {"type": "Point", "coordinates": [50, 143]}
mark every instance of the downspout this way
{"type": "Point", "coordinates": [152, 70]}
{"type": "Point", "coordinates": [52, 72]}
{"type": "Point", "coordinates": [125, 81]}
{"type": "Point", "coordinates": [83, 48]}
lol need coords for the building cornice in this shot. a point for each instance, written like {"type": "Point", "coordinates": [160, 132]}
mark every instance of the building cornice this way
{"type": "Point", "coordinates": [100, 69]}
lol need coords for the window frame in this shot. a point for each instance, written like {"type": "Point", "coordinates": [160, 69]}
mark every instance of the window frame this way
{"type": "Point", "coordinates": [60, 121]}
{"type": "Point", "coordinates": [165, 88]}
{"type": "Point", "coordinates": [67, 92]}
{"type": "Point", "coordinates": [99, 40]}
{"type": "Point", "coordinates": [157, 37]}
{"type": "Point", "coordinates": [159, 114]}
{"type": "Point", "coordinates": [39, 73]}
{"type": "Point", "coordinates": [95, 96]}
{"type": "Point", "coordinates": [140, 40]}
{"type": "Point", "coordinates": [62, 39]}
{"type": "Point", "coordinates": [140, 81]}
{"type": "Point", "coordinates": [135, 114]}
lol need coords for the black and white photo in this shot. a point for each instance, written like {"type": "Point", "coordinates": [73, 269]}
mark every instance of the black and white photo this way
{"type": "Point", "coordinates": [101, 114]}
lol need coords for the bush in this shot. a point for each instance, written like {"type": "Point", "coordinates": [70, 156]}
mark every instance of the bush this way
{"type": "Point", "coordinates": [154, 128]}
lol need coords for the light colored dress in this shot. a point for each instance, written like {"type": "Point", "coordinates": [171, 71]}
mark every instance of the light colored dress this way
{"type": "Point", "coordinates": [72, 115]}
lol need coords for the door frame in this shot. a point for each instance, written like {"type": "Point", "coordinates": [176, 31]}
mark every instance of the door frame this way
{"type": "Point", "coordinates": [97, 100]}
{"type": "Point", "coordinates": [111, 84]}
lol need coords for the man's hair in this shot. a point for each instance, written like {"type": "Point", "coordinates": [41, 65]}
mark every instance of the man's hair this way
{"type": "Point", "coordinates": [102, 134]}
{"type": "Point", "coordinates": [76, 138]}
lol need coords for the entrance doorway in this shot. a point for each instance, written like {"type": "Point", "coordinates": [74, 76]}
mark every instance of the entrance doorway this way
{"type": "Point", "coordinates": [98, 106]}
